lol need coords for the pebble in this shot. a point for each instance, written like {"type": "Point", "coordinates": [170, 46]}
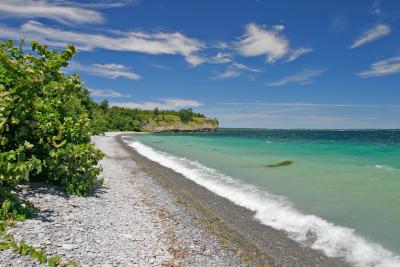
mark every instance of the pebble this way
{"type": "Point", "coordinates": [118, 225]}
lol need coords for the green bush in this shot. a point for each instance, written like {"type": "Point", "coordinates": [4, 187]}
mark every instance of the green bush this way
{"type": "Point", "coordinates": [45, 124]}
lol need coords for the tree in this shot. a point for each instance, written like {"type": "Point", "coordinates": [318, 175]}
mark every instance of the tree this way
{"type": "Point", "coordinates": [104, 105]}
{"type": "Point", "coordinates": [185, 115]}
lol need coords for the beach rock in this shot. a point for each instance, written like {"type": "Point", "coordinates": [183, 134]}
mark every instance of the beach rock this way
{"type": "Point", "coordinates": [68, 246]}
{"type": "Point", "coordinates": [280, 164]}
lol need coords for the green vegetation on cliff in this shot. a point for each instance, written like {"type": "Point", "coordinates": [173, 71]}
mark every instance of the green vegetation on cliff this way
{"type": "Point", "coordinates": [107, 118]}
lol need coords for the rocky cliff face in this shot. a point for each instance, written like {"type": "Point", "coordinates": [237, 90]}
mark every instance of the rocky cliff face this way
{"type": "Point", "coordinates": [176, 125]}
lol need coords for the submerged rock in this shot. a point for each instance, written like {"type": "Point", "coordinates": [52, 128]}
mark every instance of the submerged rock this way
{"type": "Point", "coordinates": [280, 164]}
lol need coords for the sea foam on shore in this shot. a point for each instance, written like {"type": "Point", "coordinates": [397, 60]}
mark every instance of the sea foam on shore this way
{"type": "Point", "coordinates": [335, 241]}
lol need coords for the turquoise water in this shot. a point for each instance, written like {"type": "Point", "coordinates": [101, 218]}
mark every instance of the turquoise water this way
{"type": "Point", "coordinates": [347, 178]}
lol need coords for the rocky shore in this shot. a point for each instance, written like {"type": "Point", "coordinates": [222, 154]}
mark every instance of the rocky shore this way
{"type": "Point", "coordinates": [130, 221]}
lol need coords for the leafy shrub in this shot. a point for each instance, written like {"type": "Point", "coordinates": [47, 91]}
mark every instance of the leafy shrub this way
{"type": "Point", "coordinates": [44, 121]}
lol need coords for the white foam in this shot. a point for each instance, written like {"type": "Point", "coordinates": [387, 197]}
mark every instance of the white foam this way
{"type": "Point", "coordinates": [277, 212]}
{"type": "Point", "coordinates": [388, 168]}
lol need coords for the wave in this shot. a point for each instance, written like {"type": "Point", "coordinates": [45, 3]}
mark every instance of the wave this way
{"type": "Point", "coordinates": [277, 212]}
{"type": "Point", "coordinates": [385, 167]}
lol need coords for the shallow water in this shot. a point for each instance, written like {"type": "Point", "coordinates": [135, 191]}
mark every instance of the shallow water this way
{"type": "Point", "coordinates": [341, 194]}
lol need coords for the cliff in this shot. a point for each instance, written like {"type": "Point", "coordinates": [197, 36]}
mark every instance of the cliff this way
{"type": "Point", "coordinates": [171, 123]}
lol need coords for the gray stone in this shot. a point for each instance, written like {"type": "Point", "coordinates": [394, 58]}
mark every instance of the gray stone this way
{"type": "Point", "coordinates": [120, 225]}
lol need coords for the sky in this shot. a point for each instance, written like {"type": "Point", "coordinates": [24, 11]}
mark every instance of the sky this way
{"type": "Point", "coordinates": [249, 63]}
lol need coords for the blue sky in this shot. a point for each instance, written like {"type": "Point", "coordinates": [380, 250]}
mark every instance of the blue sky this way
{"type": "Point", "coordinates": [272, 64]}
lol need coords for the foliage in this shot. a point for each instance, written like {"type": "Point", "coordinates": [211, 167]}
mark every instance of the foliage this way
{"type": "Point", "coordinates": [13, 209]}
{"type": "Point", "coordinates": [185, 115]}
{"type": "Point", "coordinates": [45, 124]}
{"type": "Point", "coordinates": [24, 249]}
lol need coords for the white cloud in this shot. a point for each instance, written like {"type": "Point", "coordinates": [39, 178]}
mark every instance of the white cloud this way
{"type": "Point", "coordinates": [221, 58]}
{"type": "Point", "coordinates": [194, 60]}
{"type": "Point", "coordinates": [221, 45]}
{"type": "Point", "coordinates": [170, 103]}
{"type": "Point", "coordinates": [174, 43]}
{"type": "Point", "coordinates": [303, 77]}
{"type": "Point", "coordinates": [278, 27]}
{"type": "Point", "coordinates": [106, 93]}
{"type": "Point", "coordinates": [259, 40]}
{"type": "Point", "coordinates": [112, 71]}
{"type": "Point", "coordinates": [227, 74]}
{"type": "Point", "coordinates": [50, 10]}
{"type": "Point", "coordinates": [235, 70]}
{"type": "Point", "coordinates": [379, 31]}
{"type": "Point", "coordinates": [296, 53]}
{"type": "Point", "coordinates": [382, 68]}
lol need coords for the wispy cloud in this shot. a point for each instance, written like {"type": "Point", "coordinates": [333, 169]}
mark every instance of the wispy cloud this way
{"type": "Point", "coordinates": [112, 71]}
{"type": "Point", "coordinates": [106, 93]}
{"type": "Point", "coordinates": [227, 74]}
{"type": "Point", "coordinates": [375, 8]}
{"type": "Point", "coordinates": [58, 11]}
{"type": "Point", "coordinates": [164, 104]}
{"type": "Point", "coordinates": [339, 24]}
{"type": "Point", "coordinates": [101, 3]}
{"type": "Point", "coordinates": [174, 43]}
{"type": "Point", "coordinates": [235, 70]}
{"type": "Point", "coordinates": [296, 53]}
{"type": "Point", "coordinates": [377, 32]}
{"type": "Point", "coordinates": [240, 66]}
{"type": "Point", "coordinates": [221, 58]}
{"type": "Point", "coordinates": [303, 77]}
{"type": "Point", "coordinates": [382, 68]}
{"type": "Point", "coordinates": [259, 40]}
{"type": "Point", "coordinates": [221, 45]}
{"type": "Point", "coordinates": [158, 66]}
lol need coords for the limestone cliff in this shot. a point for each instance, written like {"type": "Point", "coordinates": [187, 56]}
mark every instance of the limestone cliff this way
{"type": "Point", "coordinates": [170, 123]}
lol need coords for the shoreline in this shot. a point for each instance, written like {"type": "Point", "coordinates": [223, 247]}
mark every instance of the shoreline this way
{"type": "Point", "coordinates": [260, 244]}
{"type": "Point", "coordinates": [149, 215]}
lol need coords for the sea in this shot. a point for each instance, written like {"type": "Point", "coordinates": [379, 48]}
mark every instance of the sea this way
{"type": "Point", "coordinates": [338, 191]}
